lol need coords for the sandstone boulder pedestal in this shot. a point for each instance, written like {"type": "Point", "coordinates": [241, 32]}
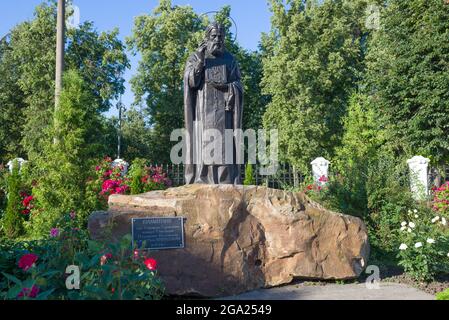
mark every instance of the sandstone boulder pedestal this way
{"type": "Point", "coordinates": [241, 238]}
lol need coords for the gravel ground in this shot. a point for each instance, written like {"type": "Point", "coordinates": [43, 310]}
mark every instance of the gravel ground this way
{"type": "Point", "coordinates": [396, 275]}
{"type": "Point", "coordinates": [439, 285]}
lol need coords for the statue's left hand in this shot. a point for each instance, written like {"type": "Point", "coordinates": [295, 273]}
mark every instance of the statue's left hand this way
{"type": "Point", "coordinates": [219, 85]}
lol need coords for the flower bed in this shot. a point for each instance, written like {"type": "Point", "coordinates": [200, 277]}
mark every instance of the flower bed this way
{"type": "Point", "coordinates": [39, 269]}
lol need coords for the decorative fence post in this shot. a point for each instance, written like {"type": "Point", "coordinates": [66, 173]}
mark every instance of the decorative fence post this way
{"type": "Point", "coordinates": [320, 170]}
{"type": "Point", "coordinates": [419, 184]}
{"type": "Point", "coordinates": [20, 161]}
{"type": "Point", "coordinates": [121, 162]}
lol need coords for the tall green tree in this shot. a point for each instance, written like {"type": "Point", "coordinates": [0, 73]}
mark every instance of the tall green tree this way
{"type": "Point", "coordinates": [12, 106]}
{"type": "Point", "coordinates": [138, 137]}
{"type": "Point", "coordinates": [408, 77]}
{"type": "Point", "coordinates": [28, 69]}
{"type": "Point", "coordinates": [312, 59]}
{"type": "Point", "coordinates": [64, 166]}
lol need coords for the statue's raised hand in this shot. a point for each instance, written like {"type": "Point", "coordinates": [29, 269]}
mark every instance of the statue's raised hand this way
{"type": "Point", "coordinates": [200, 54]}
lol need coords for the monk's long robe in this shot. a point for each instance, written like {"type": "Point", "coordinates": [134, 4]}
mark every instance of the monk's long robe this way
{"type": "Point", "coordinates": [207, 107]}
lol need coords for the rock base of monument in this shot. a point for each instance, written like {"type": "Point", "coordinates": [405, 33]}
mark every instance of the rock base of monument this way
{"type": "Point", "coordinates": [241, 238]}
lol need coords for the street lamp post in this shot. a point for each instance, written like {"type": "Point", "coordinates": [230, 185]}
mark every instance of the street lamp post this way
{"type": "Point", "coordinates": [60, 43]}
{"type": "Point", "coordinates": [121, 109]}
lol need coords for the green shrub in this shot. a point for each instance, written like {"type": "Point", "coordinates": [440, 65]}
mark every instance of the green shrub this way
{"type": "Point", "coordinates": [12, 220]}
{"type": "Point", "coordinates": [136, 174]}
{"type": "Point", "coordinates": [155, 179]}
{"type": "Point", "coordinates": [249, 176]}
{"type": "Point", "coordinates": [443, 295]}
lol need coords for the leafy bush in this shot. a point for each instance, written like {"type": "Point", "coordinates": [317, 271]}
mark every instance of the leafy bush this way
{"type": "Point", "coordinates": [443, 295]}
{"type": "Point", "coordinates": [424, 248]}
{"type": "Point", "coordinates": [249, 176]}
{"type": "Point", "coordinates": [12, 221]}
{"type": "Point", "coordinates": [136, 174]}
{"type": "Point", "coordinates": [36, 270]}
{"type": "Point", "coordinates": [155, 179]}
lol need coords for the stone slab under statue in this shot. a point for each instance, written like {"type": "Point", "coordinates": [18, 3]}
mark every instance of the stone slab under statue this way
{"type": "Point", "coordinates": [241, 238]}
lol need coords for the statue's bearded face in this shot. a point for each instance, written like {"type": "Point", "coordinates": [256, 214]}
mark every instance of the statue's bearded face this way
{"type": "Point", "coordinates": [215, 43]}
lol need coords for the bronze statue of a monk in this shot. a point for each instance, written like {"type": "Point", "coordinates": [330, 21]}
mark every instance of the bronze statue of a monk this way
{"type": "Point", "coordinates": [213, 102]}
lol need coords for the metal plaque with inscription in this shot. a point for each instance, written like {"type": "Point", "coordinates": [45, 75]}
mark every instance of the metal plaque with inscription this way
{"type": "Point", "coordinates": [158, 233]}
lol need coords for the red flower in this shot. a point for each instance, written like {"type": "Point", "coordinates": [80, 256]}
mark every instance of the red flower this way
{"type": "Point", "coordinates": [27, 261]}
{"type": "Point", "coordinates": [310, 187]}
{"type": "Point", "coordinates": [26, 292]}
{"type": "Point", "coordinates": [26, 202]}
{"type": "Point", "coordinates": [26, 212]}
{"type": "Point", "coordinates": [107, 173]}
{"type": "Point", "coordinates": [97, 168]}
{"type": "Point", "coordinates": [151, 264]}
{"type": "Point", "coordinates": [105, 258]}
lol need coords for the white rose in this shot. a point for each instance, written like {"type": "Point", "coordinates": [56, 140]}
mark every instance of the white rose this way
{"type": "Point", "coordinates": [404, 247]}
{"type": "Point", "coordinates": [404, 224]}
{"type": "Point", "coordinates": [418, 245]}
{"type": "Point", "coordinates": [409, 230]}
{"type": "Point", "coordinates": [443, 221]}
{"type": "Point", "coordinates": [430, 241]}
{"type": "Point", "coordinates": [416, 216]}
{"type": "Point", "coordinates": [412, 225]}
{"type": "Point", "coordinates": [415, 211]}
{"type": "Point", "coordinates": [403, 228]}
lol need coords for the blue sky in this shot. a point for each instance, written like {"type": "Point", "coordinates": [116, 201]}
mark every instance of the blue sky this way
{"type": "Point", "coordinates": [252, 18]}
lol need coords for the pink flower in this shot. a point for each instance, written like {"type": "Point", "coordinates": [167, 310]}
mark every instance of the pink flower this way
{"type": "Point", "coordinates": [151, 264]}
{"type": "Point", "coordinates": [107, 173]}
{"type": "Point", "coordinates": [26, 292]}
{"type": "Point", "coordinates": [136, 254]}
{"type": "Point", "coordinates": [54, 233]}
{"type": "Point", "coordinates": [97, 168]}
{"type": "Point", "coordinates": [26, 212]}
{"type": "Point", "coordinates": [27, 261]}
{"type": "Point", "coordinates": [323, 179]}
